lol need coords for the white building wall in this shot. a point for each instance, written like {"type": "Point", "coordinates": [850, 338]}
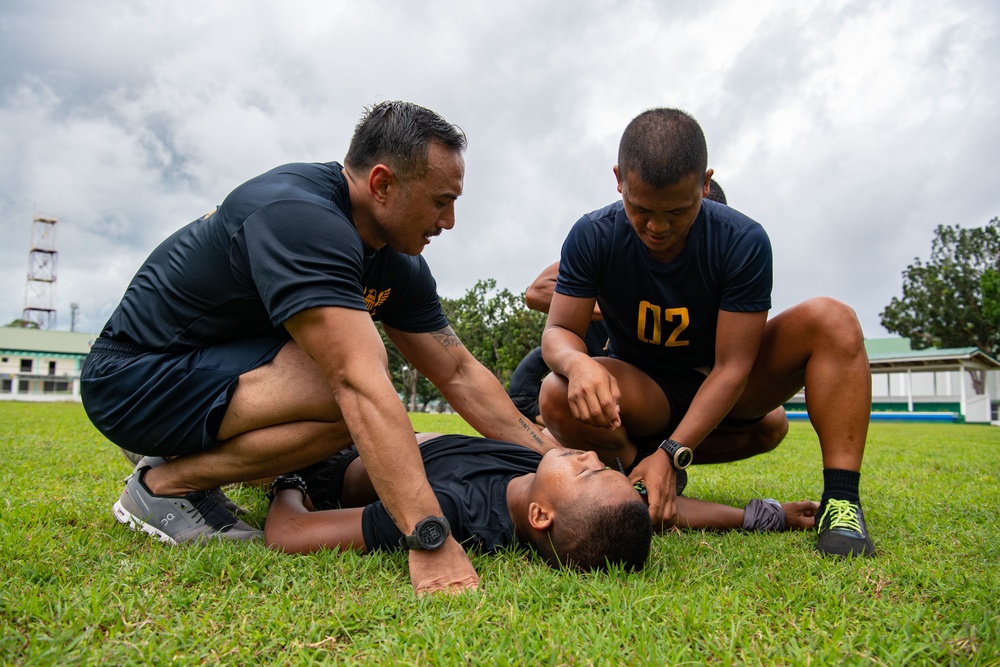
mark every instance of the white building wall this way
{"type": "Point", "coordinates": [944, 384]}
{"type": "Point", "coordinates": [39, 383]}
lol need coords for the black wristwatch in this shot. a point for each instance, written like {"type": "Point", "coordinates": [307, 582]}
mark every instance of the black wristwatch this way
{"type": "Point", "coordinates": [680, 456]}
{"type": "Point", "coordinates": [428, 535]}
{"type": "Point", "coordinates": [287, 481]}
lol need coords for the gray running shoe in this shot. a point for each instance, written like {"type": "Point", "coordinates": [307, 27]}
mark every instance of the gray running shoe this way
{"type": "Point", "coordinates": [217, 494]}
{"type": "Point", "coordinates": [193, 517]}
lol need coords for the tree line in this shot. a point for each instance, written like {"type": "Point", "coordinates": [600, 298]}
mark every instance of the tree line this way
{"type": "Point", "coordinates": [494, 324]}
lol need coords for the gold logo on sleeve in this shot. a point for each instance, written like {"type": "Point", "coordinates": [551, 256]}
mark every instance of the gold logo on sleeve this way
{"type": "Point", "coordinates": [374, 299]}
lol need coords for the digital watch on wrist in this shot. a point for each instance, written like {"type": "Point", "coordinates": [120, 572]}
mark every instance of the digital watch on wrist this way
{"type": "Point", "coordinates": [287, 481]}
{"type": "Point", "coordinates": [428, 535]}
{"type": "Point", "coordinates": [680, 456]}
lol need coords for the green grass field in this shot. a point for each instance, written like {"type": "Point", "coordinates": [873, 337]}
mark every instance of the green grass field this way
{"type": "Point", "coordinates": [78, 588]}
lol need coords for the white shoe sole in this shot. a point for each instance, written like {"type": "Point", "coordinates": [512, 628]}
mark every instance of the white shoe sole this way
{"type": "Point", "coordinates": [126, 517]}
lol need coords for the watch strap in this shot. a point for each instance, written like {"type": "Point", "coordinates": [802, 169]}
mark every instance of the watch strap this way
{"type": "Point", "coordinates": [287, 481]}
{"type": "Point", "coordinates": [680, 455]}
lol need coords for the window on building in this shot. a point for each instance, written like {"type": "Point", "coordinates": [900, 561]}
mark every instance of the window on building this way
{"type": "Point", "coordinates": [26, 365]}
{"type": "Point", "coordinates": [52, 368]}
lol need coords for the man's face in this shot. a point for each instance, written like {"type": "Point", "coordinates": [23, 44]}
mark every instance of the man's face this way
{"type": "Point", "coordinates": [663, 217]}
{"type": "Point", "coordinates": [422, 207]}
{"type": "Point", "coordinates": [571, 475]}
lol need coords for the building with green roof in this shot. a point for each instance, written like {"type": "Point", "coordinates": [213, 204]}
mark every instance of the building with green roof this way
{"type": "Point", "coordinates": [41, 365]}
{"type": "Point", "coordinates": [932, 384]}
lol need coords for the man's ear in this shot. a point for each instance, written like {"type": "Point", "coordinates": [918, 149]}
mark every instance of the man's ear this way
{"type": "Point", "coordinates": [618, 178]}
{"type": "Point", "coordinates": [707, 185]}
{"type": "Point", "coordinates": [539, 517]}
{"type": "Point", "coordinates": [379, 180]}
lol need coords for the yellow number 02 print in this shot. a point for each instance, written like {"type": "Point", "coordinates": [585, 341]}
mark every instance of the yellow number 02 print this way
{"type": "Point", "coordinates": [649, 311]}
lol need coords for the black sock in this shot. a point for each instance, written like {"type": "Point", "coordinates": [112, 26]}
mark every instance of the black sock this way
{"type": "Point", "coordinates": [841, 484]}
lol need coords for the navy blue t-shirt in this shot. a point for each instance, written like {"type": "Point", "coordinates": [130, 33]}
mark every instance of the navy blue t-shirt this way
{"type": "Point", "coordinates": [469, 476]}
{"type": "Point", "coordinates": [279, 244]}
{"type": "Point", "coordinates": [662, 316]}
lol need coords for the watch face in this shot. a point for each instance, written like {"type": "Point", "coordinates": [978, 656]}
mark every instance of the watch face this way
{"type": "Point", "coordinates": [684, 458]}
{"type": "Point", "coordinates": [680, 456]}
{"type": "Point", "coordinates": [432, 534]}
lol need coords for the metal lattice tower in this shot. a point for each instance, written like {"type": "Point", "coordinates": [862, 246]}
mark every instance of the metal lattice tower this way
{"type": "Point", "coordinates": [39, 293]}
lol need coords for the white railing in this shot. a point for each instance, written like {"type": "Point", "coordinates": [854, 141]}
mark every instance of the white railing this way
{"type": "Point", "coordinates": [32, 387]}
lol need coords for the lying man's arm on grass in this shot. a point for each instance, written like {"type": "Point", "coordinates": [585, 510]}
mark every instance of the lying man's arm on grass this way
{"type": "Point", "coordinates": [759, 515]}
{"type": "Point", "coordinates": [293, 528]}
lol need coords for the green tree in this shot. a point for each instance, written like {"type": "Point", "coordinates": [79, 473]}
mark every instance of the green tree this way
{"type": "Point", "coordinates": [953, 299]}
{"type": "Point", "coordinates": [495, 325]}
{"type": "Point", "coordinates": [991, 296]}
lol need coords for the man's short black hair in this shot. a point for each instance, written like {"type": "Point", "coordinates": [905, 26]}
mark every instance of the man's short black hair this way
{"type": "Point", "coordinates": [597, 537]}
{"type": "Point", "coordinates": [662, 147]}
{"type": "Point", "coordinates": [397, 134]}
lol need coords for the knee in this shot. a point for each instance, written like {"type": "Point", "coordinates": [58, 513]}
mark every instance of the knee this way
{"type": "Point", "coordinates": [832, 324]}
{"type": "Point", "coordinates": [771, 430]}
{"type": "Point", "coordinates": [552, 402]}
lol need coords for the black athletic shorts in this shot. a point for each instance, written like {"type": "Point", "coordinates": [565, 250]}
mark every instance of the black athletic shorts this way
{"type": "Point", "coordinates": [325, 480]}
{"type": "Point", "coordinates": [680, 387]}
{"type": "Point", "coordinates": [160, 404]}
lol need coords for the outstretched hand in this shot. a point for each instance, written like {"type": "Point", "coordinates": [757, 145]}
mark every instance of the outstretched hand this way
{"type": "Point", "coordinates": [800, 515]}
{"type": "Point", "coordinates": [660, 479]}
{"type": "Point", "coordinates": [445, 570]}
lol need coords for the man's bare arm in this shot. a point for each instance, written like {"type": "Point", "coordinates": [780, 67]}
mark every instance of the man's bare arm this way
{"type": "Point", "coordinates": [538, 296]}
{"type": "Point", "coordinates": [699, 514]}
{"type": "Point", "coordinates": [738, 339]}
{"type": "Point", "coordinates": [292, 528]}
{"type": "Point", "coordinates": [348, 349]}
{"type": "Point", "coordinates": [737, 343]}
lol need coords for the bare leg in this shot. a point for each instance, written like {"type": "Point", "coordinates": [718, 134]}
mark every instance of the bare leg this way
{"type": "Point", "coordinates": [727, 443]}
{"type": "Point", "coordinates": [817, 344]}
{"type": "Point", "coordinates": [282, 416]}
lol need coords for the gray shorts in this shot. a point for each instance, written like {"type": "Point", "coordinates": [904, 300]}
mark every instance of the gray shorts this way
{"type": "Point", "coordinates": [162, 404]}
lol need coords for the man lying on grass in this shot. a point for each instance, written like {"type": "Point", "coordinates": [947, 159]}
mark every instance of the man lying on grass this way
{"type": "Point", "coordinates": [566, 505]}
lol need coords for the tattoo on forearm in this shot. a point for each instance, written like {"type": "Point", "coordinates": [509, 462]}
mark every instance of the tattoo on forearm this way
{"type": "Point", "coordinates": [446, 337]}
{"type": "Point", "coordinates": [531, 432]}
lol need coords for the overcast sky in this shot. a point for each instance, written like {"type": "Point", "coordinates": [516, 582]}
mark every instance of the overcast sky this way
{"type": "Point", "coordinates": [849, 129]}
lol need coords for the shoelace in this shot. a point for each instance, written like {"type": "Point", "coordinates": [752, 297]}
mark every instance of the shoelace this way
{"type": "Point", "coordinates": [194, 506]}
{"type": "Point", "coordinates": [843, 514]}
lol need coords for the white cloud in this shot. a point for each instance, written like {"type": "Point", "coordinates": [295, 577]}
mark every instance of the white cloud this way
{"type": "Point", "coordinates": [849, 130]}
